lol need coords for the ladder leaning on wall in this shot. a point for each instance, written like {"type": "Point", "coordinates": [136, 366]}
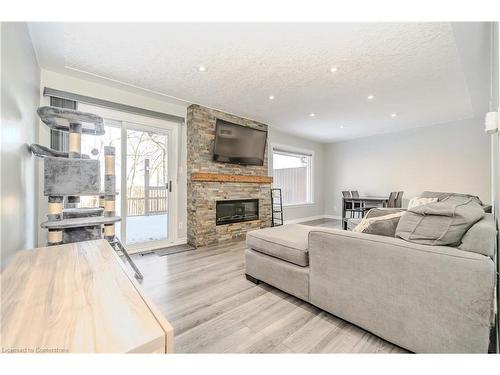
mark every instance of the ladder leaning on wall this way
{"type": "Point", "coordinates": [276, 208]}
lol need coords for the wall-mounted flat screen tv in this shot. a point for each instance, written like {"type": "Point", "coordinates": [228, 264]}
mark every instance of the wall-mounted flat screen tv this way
{"type": "Point", "coordinates": [239, 144]}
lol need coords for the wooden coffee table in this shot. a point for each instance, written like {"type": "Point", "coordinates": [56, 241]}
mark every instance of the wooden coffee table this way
{"type": "Point", "coordinates": [78, 298]}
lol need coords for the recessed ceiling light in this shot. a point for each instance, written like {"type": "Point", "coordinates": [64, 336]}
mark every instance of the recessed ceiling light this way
{"type": "Point", "coordinates": [394, 115]}
{"type": "Point", "coordinates": [341, 126]}
{"type": "Point", "coordinates": [271, 97]}
{"type": "Point", "coordinates": [333, 69]}
{"type": "Point", "coordinates": [312, 114]}
{"type": "Point", "coordinates": [201, 68]}
{"type": "Point", "coordinates": [371, 97]}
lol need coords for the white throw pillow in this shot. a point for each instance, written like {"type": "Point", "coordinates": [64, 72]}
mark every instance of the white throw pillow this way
{"type": "Point", "coordinates": [417, 201]}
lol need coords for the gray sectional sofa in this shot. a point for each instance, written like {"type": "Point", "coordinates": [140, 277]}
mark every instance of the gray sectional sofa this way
{"type": "Point", "coordinates": [427, 299]}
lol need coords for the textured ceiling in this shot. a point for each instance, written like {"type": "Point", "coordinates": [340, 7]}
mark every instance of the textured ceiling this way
{"type": "Point", "coordinates": [413, 69]}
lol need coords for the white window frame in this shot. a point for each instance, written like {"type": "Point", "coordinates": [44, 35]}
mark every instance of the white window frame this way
{"type": "Point", "coordinates": [310, 176]}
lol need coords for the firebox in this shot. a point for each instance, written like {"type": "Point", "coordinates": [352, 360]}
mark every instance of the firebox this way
{"type": "Point", "coordinates": [236, 211]}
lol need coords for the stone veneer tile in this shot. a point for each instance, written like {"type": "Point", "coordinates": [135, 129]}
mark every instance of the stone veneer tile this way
{"type": "Point", "coordinates": [202, 196]}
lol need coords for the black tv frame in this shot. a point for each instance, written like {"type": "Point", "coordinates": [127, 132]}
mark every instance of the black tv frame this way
{"type": "Point", "coordinates": [238, 160]}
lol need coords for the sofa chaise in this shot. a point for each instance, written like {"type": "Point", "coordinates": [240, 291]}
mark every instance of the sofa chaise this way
{"type": "Point", "coordinates": [426, 299]}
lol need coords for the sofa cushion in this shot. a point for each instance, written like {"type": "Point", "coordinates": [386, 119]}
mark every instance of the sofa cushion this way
{"type": "Point", "coordinates": [481, 237]}
{"type": "Point", "coordinates": [380, 221]}
{"type": "Point", "coordinates": [440, 223]}
{"type": "Point", "coordinates": [287, 242]}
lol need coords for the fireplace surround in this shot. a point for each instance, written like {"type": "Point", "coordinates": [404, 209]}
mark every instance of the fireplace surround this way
{"type": "Point", "coordinates": [236, 211]}
{"type": "Point", "coordinates": [209, 181]}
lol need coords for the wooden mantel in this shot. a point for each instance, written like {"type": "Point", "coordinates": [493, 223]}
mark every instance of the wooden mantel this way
{"type": "Point", "coordinates": [217, 177]}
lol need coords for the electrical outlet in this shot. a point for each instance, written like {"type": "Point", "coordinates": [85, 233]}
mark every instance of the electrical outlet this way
{"type": "Point", "coordinates": [335, 208]}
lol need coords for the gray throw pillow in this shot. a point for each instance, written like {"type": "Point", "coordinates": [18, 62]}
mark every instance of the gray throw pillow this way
{"type": "Point", "coordinates": [380, 221]}
{"type": "Point", "coordinates": [440, 223]}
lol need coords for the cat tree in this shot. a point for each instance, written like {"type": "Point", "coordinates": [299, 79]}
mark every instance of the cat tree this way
{"type": "Point", "coordinates": [70, 175]}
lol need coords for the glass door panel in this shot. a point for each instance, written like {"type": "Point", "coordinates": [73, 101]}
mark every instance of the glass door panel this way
{"type": "Point", "coordinates": [147, 183]}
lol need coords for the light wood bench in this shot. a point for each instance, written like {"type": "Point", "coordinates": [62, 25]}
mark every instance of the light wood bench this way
{"type": "Point", "coordinates": [78, 298]}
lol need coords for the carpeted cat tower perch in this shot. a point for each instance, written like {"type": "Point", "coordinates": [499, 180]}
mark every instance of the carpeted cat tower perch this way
{"type": "Point", "coordinates": [70, 175]}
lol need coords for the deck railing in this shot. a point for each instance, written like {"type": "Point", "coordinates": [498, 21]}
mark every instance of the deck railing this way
{"type": "Point", "coordinates": [152, 202]}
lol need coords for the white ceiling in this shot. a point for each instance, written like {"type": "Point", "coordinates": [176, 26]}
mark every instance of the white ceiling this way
{"type": "Point", "coordinates": [416, 70]}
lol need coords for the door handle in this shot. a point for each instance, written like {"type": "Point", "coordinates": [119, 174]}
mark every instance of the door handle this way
{"type": "Point", "coordinates": [169, 186]}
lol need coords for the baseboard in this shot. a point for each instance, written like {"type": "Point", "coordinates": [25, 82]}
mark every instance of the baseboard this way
{"type": "Point", "coordinates": [310, 218]}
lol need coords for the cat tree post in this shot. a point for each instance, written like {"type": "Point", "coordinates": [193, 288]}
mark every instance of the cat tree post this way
{"type": "Point", "coordinates": [75, 140]}
{"type": "Point", "coordinates": [109, 190]}
{"type": "Point", "coordinates": [55, 213]}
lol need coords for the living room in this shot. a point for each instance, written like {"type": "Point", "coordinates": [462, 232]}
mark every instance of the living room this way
{"type": "Point", "coordinates": [308, 187]}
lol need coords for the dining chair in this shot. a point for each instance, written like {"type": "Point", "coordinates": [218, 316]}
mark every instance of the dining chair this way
{"type": "Point", "coordinates": [391, 202]}
{"type": "Point", "coordinates": [399, 200]}
{"type": "Point", "coordinates": [346, 194]}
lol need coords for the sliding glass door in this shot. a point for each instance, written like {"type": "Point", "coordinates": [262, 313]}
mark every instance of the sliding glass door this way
{"type": "Point", "coordinates": [148, 183]}
{"type": "Point", "coordinates": [146, 175]}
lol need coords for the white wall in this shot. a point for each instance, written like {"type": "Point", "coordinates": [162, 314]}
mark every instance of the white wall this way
{"type": "Point", "coordinates": [309, 210]}
{"type": "Point", "coordinates": [133, 97]}
{"type": "Point", "coordinates": [452, 157]}
{"type": "Point", "coordinates": [20, 81]}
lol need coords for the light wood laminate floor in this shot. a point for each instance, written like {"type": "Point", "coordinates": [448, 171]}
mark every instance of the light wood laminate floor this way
{"type": "Point", "coordinates": [213, 308]}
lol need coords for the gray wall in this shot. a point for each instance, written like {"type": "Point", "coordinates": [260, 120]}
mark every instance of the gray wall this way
{"type": "Point", "coordinates": [20, 97]}
{"type": "Point", "coordinates": [310, 210]}
{"type": "Point", "coordinates": [449, 157]}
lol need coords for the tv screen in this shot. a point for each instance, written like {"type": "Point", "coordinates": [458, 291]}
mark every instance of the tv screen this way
{"type": "Point", "coordinates": [239, 144]}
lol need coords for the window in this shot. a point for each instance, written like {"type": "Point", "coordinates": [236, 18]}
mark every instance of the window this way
{"type": "Point", "coordinates": [292, 173]}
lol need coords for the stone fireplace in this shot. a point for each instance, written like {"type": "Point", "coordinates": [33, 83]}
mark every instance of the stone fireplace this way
{"type": "Point", "coordinates": [210, 183]}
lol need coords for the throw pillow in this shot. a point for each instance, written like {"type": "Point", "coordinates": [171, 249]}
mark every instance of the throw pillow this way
{"type": "Point", "coordinates": [440, 223]}
{"type": "Point", "coordinates": [417, 201]}
{"type": "Point", "coordinates": [380, 221]}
